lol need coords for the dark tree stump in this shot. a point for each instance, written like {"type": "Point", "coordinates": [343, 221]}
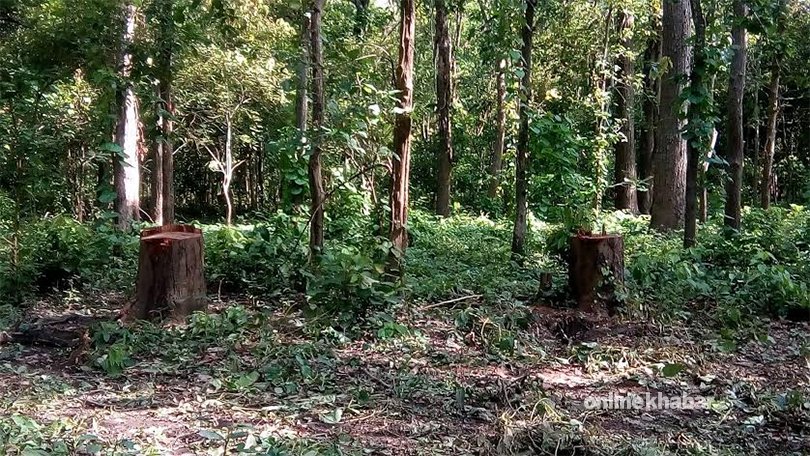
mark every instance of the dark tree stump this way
{"type": "Point", "coordinates": [596, 267]}
{"type": "Point", "coordinates": [171, 282]}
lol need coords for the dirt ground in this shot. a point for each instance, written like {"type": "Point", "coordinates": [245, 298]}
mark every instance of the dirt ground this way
{"type": "Point", "coordinates": [434, 387]}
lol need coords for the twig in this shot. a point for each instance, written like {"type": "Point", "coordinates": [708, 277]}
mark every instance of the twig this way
{"type": "Point", "coordinates": [451, 301]}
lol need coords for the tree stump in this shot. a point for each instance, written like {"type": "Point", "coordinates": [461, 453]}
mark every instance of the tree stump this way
{"type": "Point", "coordinates": [171, 282]}
{"type": "Point", "coordinates": [595, 269]}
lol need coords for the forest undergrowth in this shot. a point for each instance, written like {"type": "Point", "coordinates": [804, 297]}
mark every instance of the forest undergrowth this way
{"type": "Point", "coordinates": [467, 356]}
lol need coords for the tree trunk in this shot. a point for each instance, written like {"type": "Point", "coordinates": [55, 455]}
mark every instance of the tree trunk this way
{"type": "Point", "coordinates": [171, 282]}
{"type": "Point", "coordinates": [444, 102]}
{"type": "Point", "coordinates": [401, 162]}
{"type": "Point", "coordinates": [625, 168]}
{"type": "Point", "coordinates": [522, 159]}
{"type": "Point", "coordinates": [704, 192]}
{"type": "Point", "coordinates": [302, 77]}
{"type": "Point", "coordinates": [316, 228]}
{"type": "Point", "coordinates": [126, 166]}
{"type": "Point", "coordinates": [736, 139]}
{"type": "Point", "coordinates": [652, 87]}
{"type": "Point", "coordinates": [697, 114]}
{"type": "Point", "coordinates": [500, 134]}
{"type": "Point", "coordinates": [158, 192]}
{"type": "Point", "coordinates": [766, 182]}
{"type": "Point", "coordinates": [228, 168]}
{"type": "Point", "coordinates": [669, 162]}
{"type": "Point", "coordinates": [595, 269]}
{"type": "Point", "coordinates": [163, 179]}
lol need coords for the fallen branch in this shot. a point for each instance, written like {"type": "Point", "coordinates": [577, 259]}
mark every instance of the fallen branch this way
{"type": "Point", "coordinates": [451, 301]}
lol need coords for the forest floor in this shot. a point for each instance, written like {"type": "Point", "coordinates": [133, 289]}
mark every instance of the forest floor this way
{"type": "Point", "coordinates": [446, 378]}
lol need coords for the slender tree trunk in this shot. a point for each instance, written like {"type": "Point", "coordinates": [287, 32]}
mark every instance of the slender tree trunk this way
{"type": "Point", "coordinates": [697, 114]}
{"type": "Point", "coordinates": [736, 133]}
{"type": "Point", "coordinates": [401, 162]}
{"type": "Point", "coordinates": [302, 79]}
{"type": "Point", "coordinates": [500, 134]}
{"type": "Point", "coordinates": [766, 181]}
{"type": "Point", "coordinates": [163, 178]}
{"type": "Point", "coordinates": [522, 160]}
{"type": "Point", "coordinates": [316, 227]}
{"type": "Point", "coordinates": [652, 87]}
{"type": "Point", "coordinates": [444, 102]}
{"type": "Point", "coordinates": [754, 143]}
{"type": "Point", "coordinates": [704, 192]}
{"type": "Point", "coordinates": [126, 166]}
{"type": "Point", "coordinates": [228, 168]}
{"type": "Point", "coordinates": [625, 168]}
{"type": "Point", "coordinates": [157, 164]}
{"type": "Point", "coordinates": [669, 162]}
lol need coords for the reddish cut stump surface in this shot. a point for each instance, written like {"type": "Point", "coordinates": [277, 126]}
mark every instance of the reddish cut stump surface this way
{"type": "Point", "coordinates": [596, 267]}
{"type": "Point", "coordinates": [171, 282]}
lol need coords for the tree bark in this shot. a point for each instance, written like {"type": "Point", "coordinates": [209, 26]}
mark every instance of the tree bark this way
{"type": "Point", "coordinates": [697, 114]}
{"type": "Point", "coordinates": [595, 271]}
{"type": "Point", "coordinates": [316, 227]}
{"type": "Point", "coordinates": [736, 133]}
{"type": "Point", "coordinates": [171, 282]}
{"type": "Point", "coordinates": [401, 162]}
{"type": "Point", "coordinates": [444, 102]}
{"type": "Point", "coordinates": [522, 160]}
{"type": "Point", "coordinates": [500, 133]}
{"type": "Point", "coordinates": [126, 166]}
{"type": "Point", "coordinates": [704, 191]}
{"type": "Point", "coordinates": [302, 77]}
{"type": "Point", "coordinates": [652, 86]}
{"type": "Point", "coordinates": [228, 168]}
{"type": "Point", "coordinates": [766, 182]}
{"type": "Point", "coordinates": [625, 167]}
{"type": "Point", "coordinates": [669, 162]}
{"type": "Point", "coordinates": [163, 178]}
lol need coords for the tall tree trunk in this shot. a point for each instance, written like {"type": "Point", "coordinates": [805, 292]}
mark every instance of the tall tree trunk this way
{"type": "Point", "coordinates": [126, 166]}
{"type": "Point", "coordinates": [316, 228]}
{"type": "Point", "coordinates": [500, 134]}
{"type": "Point", "coordinates": [302, 76]}
{"type": "Point", "coordinates": [228, 169]}
{"type": "Point", "coordinates": [669, 162]}
{"type": "Point", "coordinates": [163, 179]}
{"type": "Point", "coordinates": [753, 143]}
{"type": "Point", "coordinates": [736, 133]}
{"type": "Point", "coordinates": [652, 87]}
{"type": "Point", "coordinates": [697, 114]}
{"type": "Point", "coordinates": [444, 102]}
{"type": "Point", "coordinates": [401, 162]}
{"type": "Point", "coordinates": [703, 213]}
{"type": "Point", "coordinates": [157, 163]}
{"type": "Point", "coordinates": [766, 181]}
{"type": "Point", "coordinates": [625, 171]}
{"type": "Point", "coordinates": [522, 160]}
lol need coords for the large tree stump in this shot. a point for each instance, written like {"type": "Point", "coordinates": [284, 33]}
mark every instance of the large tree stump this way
{"type": "Point", "coordinates": [171, 282]}
{"type": "Point", "coordinates": [595, 269]}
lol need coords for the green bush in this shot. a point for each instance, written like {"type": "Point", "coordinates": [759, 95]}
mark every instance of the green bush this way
{"type": "Point", "coordinates": [58, 252]}
{"type": "Point", "coordinates": [351, 280]}
{"type": "Point", "coordinates": [261, 258]}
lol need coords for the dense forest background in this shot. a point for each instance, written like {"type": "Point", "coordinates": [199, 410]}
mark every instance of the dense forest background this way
{"type": "Point", "coordinates": [237, 110]}
{"type": "Point", "coordinates": [387, 170]}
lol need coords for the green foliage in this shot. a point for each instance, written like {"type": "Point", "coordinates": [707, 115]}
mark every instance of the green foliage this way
{"type": "Point", "coordinates": [762, 270]}
{"type": "Point", "coordinates": [351, 280]}
{"type": "Point", "coordinates": [58, 252]}
{"type": "Point", "coordinates": [467, 255]}
{"type": "Point", "coordinates": [261, 258]}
